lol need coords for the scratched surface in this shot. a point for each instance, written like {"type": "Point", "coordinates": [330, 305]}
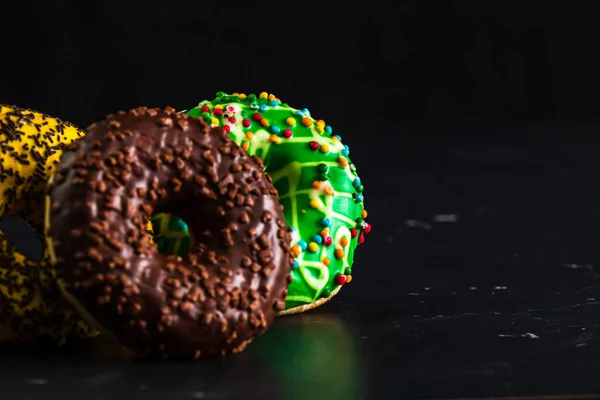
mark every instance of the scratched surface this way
{"type": "Point", "coordinates": [479, 279]}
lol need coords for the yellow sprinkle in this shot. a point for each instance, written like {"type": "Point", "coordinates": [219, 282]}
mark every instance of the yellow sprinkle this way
{"type": "Point", "coordinates": [314, 203]}
{"type": "Point", "coordinates": [313, 247]}
{"type": "Point", "coordinates": [271, 97]}
{"type": "Point", "coordinates": [249, 135]}
{"type": "Point", "coordinates": [263, 95]}
{"type": "Point", "coordinates": [316, 184]}
{"type": "Point", "coordinates": [343, 162]}
{"type": "Point", "coordinates": [343, 242]}
{"type": "Point", "coordinates": [321, 122]}
{"type": "Point", "coordinates": [245, 145]}
{"type": "Point", "coordinates": [264, 122]}
{"type": "Point", "coordinates": [290, 121]}
{"type": "Point", "coordinates": [274, 139]}
{"type": "Point", "coordinates": [277, 100]}
{"type": "Point", "coordinates": [219, 106]}
{"type": "Point", "coordinates": [339, 253]}
{"type": "Point", "coordinates": [320, 129]}
{"type": "Point", "coordinates": [235, 94]}
{"type": "Point", "coordinates": [324, 232]}
{"type": "Point", "coordinates": [348, 278]}
{"type": "Point", "coordinates": [296, 250]}
{"type": "Point", "coordinates": [306, 122]}
{"type": "Point", "coordinates": [328, 190]}
{"type": "Point", "coordinates": [326, 261]}
{"type": "Point", "coordinates": [242, 96]}
{"type": "Point", "coordinates": [215, 121]}
{"type": "Point", "coordinates": [324, 148]}
{"type": "Point", "coordinates": [364, 213]}
{"type": "Point", "coordinates": [335, 139]}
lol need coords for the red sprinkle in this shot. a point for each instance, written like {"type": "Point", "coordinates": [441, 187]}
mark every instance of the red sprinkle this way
{"type": "Point", "coordinates": [361, 239]}
{"type": "Point", "coordinates": [231, 120]}
{"type": "Point", "coordinates": [218, 112]}
{"type": "Point", "coordinates": [226, 128]}
{"type": "Point", "coordinates": [256, 116]}
{"type": "Point", "coordinates": [204, 109]}
{"type": "Point", "coordinates": [367, 228]}
{"type": "Point", "coordinates": [340, 279]}
{"type": "Point", "coordinates": [328, 241]}
{"type": "Point", "coordinates": [353, 232]}
{"type": "Point", "coordinates": [246, 123]}
{"type": "Point", "coordinates": [314, 145]}
{"type": "Point", "coordinates": [287, 134]}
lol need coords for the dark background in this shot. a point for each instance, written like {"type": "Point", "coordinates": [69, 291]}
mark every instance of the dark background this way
{"type": "Point", "coordinates": [401, 61]}
{"type": "Point", "coordinates": [474, 127]}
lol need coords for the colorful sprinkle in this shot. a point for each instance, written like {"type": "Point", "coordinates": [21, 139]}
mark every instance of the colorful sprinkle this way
{"type": "Point", "coordinates": [257, 117]}
{"type": "Point", "coordinates": [296, 264]}
{"type": "Point", "coordinates": [287, 134]}
{"type": "Point", "coordinates": [302, 244]}
{"type": "Point", "coordinates": [317, 239]}
{"type": "Point", "coordinates": [313, 146]}
{"type": "Point", "coordinates": [325, 222]}
{"type": "Point", "coordinates": [324, 148]}
{"type": "Point", "coordinates": [275, 129]}
{"type": "Point", "coordinates": [314, 203]}
{"type": "Point", "coordinates": [218, 112]}
{"type": "Point", "coordinates": [204, 109]}
{"type": "Point", "coordinates": [313, 247]}
{"type": "Point", "coordinates": [339, 253]}
{"type": "Point", "coordinates": [328, 241]}
{"type": "Point", "coordinates": [263, 95]}
{"type": "Point", "coordinates": [343, 242]}
{"type": "Point", "coordinates": [262, 107]}
{"type": "Point", "coordinates": [361, 239]}
{"type": "Point", "coordinates": [246, 123]}
{"type": "Point", "coordinates": [367, 228]}
{"type": "Point", "coordinates": [353, 232]}
{"type": "Point", "coordinates": [322, 167]}
{"type": "Point", "coordinates": [340, 279]}
{"type": "Point", "coordinates": [328, 129]}
{"type": "Point", "coordinates": [296, 250]}
{"type": "Point", "coordinates": [326, 261]}
{"type": "Point", "coordinates": [343, 162]}
{"type": "Point", "coordinates": [264, 122]}
{"type": "Point", "coordinates": [348, 278]}
{"type": "Point", "coordinates": [307, 122]}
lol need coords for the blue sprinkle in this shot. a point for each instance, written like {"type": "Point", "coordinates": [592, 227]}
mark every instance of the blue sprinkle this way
{"type": "Point", "coordinates": [325, 221]}
{"type": "Point", "coordinates": [356, 182]}
{"type": "Point", "coordinates": [296, 264]}
{"type": "Point", "coordinates": [345, 152]}
{"type": "Point", "coordinates": [317, 239]}
{"type": "Point", "coordinates": [293, 229]}
{"type": "Point", "coordinates": [262, 107]}
{"type": "Point", "coordinates": [338, 137]}
{"type": "Point", "coordinates": [181, 224]}
{"type": "Point", "coordinates": [328, 129]}
{"type": "Point", "coordinates": [274, 129]}
{"type": "Point", "coordinates": [306, 111]}
{"type": "Point", "coordinates": [359, 198]}
{"type": "Point", "coordinates": [302, 244]}
{"type": "Point", "coordinates": [299, 113]}
{"type": "Point", "coordinates": [274, 103]}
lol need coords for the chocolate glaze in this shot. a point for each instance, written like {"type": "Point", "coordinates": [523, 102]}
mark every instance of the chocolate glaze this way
{"type": "Point", "coordinates": [233, 282]}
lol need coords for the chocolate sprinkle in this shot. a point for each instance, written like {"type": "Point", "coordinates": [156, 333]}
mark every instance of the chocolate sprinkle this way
{"type": "Point", "coordinates": [230, 286]}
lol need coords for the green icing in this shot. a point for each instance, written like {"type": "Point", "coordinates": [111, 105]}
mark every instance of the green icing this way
{"type": "Point", "coordinates": [297, 155]}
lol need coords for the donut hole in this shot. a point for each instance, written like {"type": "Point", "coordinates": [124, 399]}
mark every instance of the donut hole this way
{"type": "Point", "coordinates": [171, 234]}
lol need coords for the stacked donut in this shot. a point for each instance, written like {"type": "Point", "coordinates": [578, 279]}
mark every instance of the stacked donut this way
{"type": "Point", "coordinates": [180, 235]}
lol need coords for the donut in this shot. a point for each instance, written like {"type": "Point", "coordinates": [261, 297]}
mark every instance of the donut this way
{"type": "Point", "coordinates": [135, 164]}
{"type": "Point", "coordinates": [31, 144]}
{"type": "Point", "coordinates": [321, 193]}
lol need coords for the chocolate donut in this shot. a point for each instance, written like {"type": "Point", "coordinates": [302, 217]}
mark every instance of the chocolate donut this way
{"type": "Point", "coordinates": [224, 292]}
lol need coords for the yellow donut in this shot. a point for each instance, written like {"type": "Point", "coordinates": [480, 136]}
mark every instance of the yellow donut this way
{"type": "Point", "coordinates": [30, 147]}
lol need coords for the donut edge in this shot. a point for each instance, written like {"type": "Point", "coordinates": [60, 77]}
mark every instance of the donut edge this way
{"type": "Point", "coordinates": [307, 307]}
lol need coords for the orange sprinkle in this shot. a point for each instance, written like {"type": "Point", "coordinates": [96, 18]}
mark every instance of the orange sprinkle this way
{"type": "Point", "coordinates": [343, 162]}
{"type": "Point", "coordinates": [264, 122]}
{"type": "Point", "coordinates": [271, 97]}
{"type": "Point", "coordinates": [326, 261]}
{"type": "Point", "coordinates": [245, 145]}
{"type": "Point", "coordinates": [321, 122]}
{"type": "Point", "coordinates": [328, 190]}
{"type": "Point", "coordinates": [274, 139]}
{"type": "Point", "coordinates": [249, 135]}
{"type": "Point", "coordinates": [364, 213]}
{"type": "Point", "coordinates": [296, 250]}
{"type": "Point", "coordinates": [339, 253]}
{"type": "Point", "coordinates": [343, 242]}
{"type": "Point", "coordinates": [306, 122]}
{"type": "Point", "coordinates": [348, 278]}
{"type": "Point", "coordinates": [324, 232]}
{"type": "Point", "coordinates": [316, 184]}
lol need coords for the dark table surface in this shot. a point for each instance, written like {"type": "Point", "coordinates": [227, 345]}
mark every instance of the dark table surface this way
{"type": "Point", "coordinates": [478, 280]}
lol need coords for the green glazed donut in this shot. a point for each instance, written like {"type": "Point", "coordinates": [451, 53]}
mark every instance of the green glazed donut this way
{"type": "Point", "coordinates": [319, 189]}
